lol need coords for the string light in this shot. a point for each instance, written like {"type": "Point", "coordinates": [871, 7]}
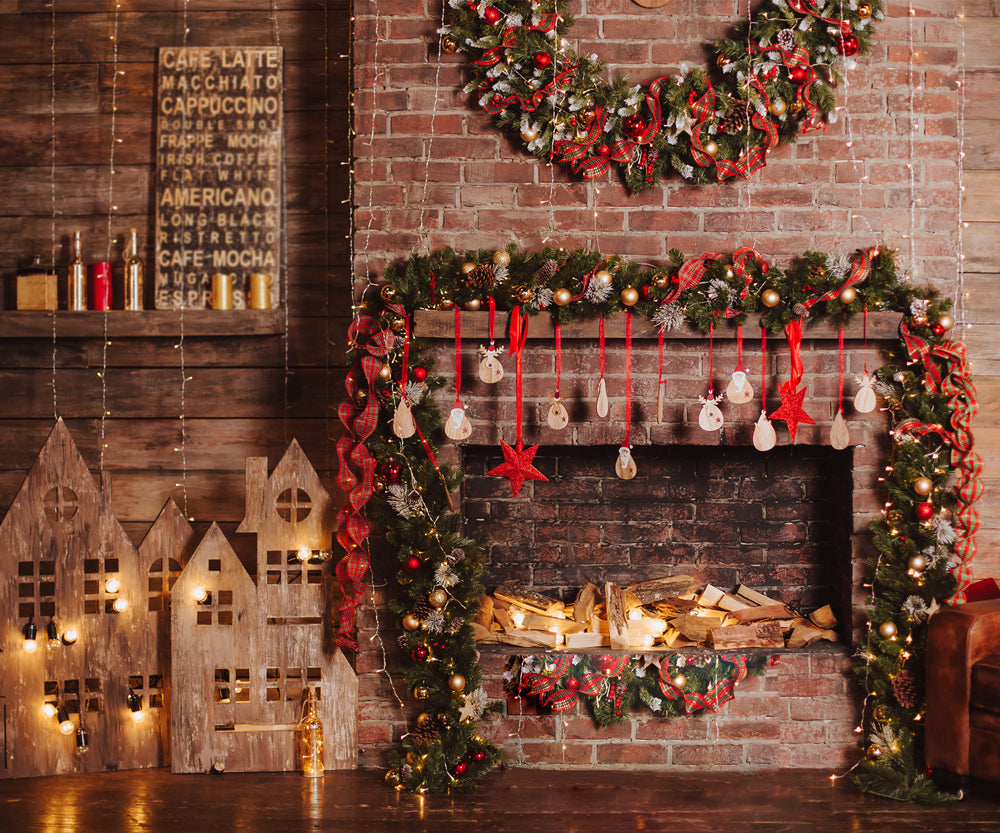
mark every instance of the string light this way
{"type": "Point", "coordinates": [52, 187]}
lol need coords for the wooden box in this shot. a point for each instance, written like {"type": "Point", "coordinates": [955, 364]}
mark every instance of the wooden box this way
{"type": "Point", "coordinates": [37, 291]}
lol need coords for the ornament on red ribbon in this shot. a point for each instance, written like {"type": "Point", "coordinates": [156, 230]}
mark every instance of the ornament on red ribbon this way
{"type": "Point", "coordinates": [490, 369]}
{"type": "Point", "coordinates": [791, 410]}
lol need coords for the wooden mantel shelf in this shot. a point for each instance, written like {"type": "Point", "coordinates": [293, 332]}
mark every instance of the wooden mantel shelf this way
{"type": "Point", "coordinates": [882, 326]}
{"type": "Point", "coordinates": [140, 324]}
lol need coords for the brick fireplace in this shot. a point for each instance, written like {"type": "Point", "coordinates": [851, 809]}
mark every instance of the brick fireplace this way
{"type": "Point", "coordinates": [791, 523]}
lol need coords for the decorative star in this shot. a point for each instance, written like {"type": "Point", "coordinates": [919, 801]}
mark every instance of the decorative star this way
{"type": "Point", "coordinates": [791, 408]}
{"type": "Point", "coordinates": [517, 466]}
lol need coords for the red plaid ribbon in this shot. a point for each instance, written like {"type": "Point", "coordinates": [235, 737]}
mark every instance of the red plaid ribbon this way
{"type": "Point", "coordinates": [860, 270]}
{"type": "Point", "coordinates": [356, 473]}
{"type": "Point", "coordinates": [690, 274]}
{"type": "Point", "coordinates": [946, 371]}
{"type": "Point", "coordinates": [546, 686]}
{"type": "Point", "coordinates": [714, 700]}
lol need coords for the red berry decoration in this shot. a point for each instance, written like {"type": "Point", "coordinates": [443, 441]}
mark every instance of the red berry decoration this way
{"type": "Point", "coordinates": [491, 15]}
{"type": "Point", "coordinates": [634, 126]}
{"type": "Point", "coordinates": [847, 45]}
{"type": "Point", "coordinates": [420, 653]}
{"type": "Point", "coordinates": [573, 684]}
{"type": "Point", "coordinates": [461, 767]}
{"type": "Point", "coordinates": [543, 60]}
{"type": "Point", "coordinates": [420, 374]}
{"type": "Point", "coordinates": [412, 564]}
{"type": "Point", "coordinates": [479, 756]}
{"type": "Point", "coordinates": [603, 151]}
{"type": "Point", "coordinates": [798, 74]}
{"type": "Point", "coordinates": [925, 510]}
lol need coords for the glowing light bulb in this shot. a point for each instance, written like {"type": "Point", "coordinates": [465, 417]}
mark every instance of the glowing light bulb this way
{"type": "Point", "coordinates": [49, 710]}
{"type": "Point", "coordinates": [70, 635]}
{"type": "Point", "coordinates": [112, 585]}
{"type": "Point", "coordinates": [304, 554]}
{"type": "Point", "coordinates": [121, 605]}
{"type": "Point", "coordinates": [199, 594]}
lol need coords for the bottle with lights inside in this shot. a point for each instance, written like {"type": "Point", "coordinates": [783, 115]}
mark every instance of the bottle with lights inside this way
{"type": "Point", "coordinates": [76, 278]}
{"type": "Point", "coordinates": [310, 732]}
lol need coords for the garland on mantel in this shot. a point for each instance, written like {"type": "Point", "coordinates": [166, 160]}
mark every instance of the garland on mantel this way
{"type": "Point", "coordinates": [924, 539]}
{"type": "Point", "coordinates": [772, 80]}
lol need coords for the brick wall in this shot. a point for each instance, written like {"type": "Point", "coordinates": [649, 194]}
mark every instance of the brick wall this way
{"type": "Point", "coordinates": [432, 172]}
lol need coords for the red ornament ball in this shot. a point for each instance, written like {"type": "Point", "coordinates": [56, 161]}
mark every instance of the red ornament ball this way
{"type": "Point", "coordinates": [604, 663]}
{"type": "Point", "coordinates": [573, 684]}
{"type": "Point", "coordinates": [491, 15]}
{"type": "Point", "coordinates": [925, 510]}
{"type": "Point", "coordinates": [479, 755]}
{"type": "Point", "coordinates": [543, 60]}
{"type": "Point", "coordinates": [634, 126]}
{"type": "Point", "coordinates": [461, 767]}
{"type": "Point", "coordinates": [420, 374]}
{"type": "Point", "coordinates": [798, 74]}
{"type": "Point", "coordinates": [392, 470]}
{"type": "Point", "coordinates": [938, 330]}
{"type": "Point", "coordinates": [847, 45]}
{"type": "Point", "coordinates": [420, 653]}
{"type": "Point", "coordinates": [604, 151]}
{"type": "Point", "coordinates": [412, 564]}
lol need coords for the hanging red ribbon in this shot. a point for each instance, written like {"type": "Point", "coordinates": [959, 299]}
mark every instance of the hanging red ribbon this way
{"type": "Point", "coordinates": [628, 379]}
{"type": "Point", "coordinates": [405, 370]}
{"type": "Point", "coordinates": [558, 356]}
{"type": "Point", "coordinates": [865, 334]}
{"type": "Point", "coordinates": [458, 358]}
{"type": "Point", "coordinates": [711, 360]}
{"type": "Point", "coordinates": [840, 370]}
{"type": "Point", "coordinates": [600, 343]}
{"type": "Point", "coordinates": [763, 370]}
{"type": "Point", "coordinates": [493, 320]}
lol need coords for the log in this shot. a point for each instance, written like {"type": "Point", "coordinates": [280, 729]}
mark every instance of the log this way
{"type": "Point", "coordinates": [536, 602]}
{"type": "Point", "coordinates": [694, 628]}
{"type": "Point", "coordinates": [586, 640]}
{"type": "Point", "coordinates": [662, 588]}
{"type": "Point", "coordinates": [586, 599]}
{"type": "Point", "coordinates": [617, 617]}
{"type": "Point", "coordinates": [762, 635]}
{"type": "Point", "coordinates": [823, 618]}
{"type": "Point", "coordinates": [804, 633]}
{"type": "Point", "coordinates": [756, 614]}
{"type": "Point", "coordinates": [552, 624]}
{"type": "Point", "coordinates": [753, 596]}
{"type": "Point", "coordinates": [484, 616]}
{"type": "Point", "coordinates": [529, 639]}
{"type": "Point", "coordinates": [639, 629]}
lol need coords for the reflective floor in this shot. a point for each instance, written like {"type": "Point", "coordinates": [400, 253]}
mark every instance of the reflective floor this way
{"type": "Point", "coordinates": [522, 800]}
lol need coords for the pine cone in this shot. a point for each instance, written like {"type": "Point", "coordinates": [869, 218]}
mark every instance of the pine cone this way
{"type": "Point", "coordinates": [546, 272]}
{"type": "Point", "coordinates": [481, 277]}
{"type": "Point", "coordinates": [733, 122]}
{"type": "Point", "coordinates": [908, 689]}
{"type": "Point", "coordinates": [427, 732]}
{"type": "Point", "coordinates": [421, 607]}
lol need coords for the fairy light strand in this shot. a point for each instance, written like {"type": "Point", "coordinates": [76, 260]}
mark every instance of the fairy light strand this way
{"type": "Point", "coordinates": [429, 144]}
{"type": "Point", "coordinates": [52, 186]}
{"type": "Point", "coordinates": [960, 294]}
{"type": "Point", "coordinates": [181, 316]}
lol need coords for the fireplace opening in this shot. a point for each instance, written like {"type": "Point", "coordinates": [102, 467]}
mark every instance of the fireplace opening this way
{"type": "Point", "coordinates": [778, 523]}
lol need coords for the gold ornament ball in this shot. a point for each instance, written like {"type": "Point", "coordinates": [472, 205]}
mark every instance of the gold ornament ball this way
{"type": "Point", "coordinates": [456, 682]}
{"type": "Point", "coordinates": [777, 107]}
{"type": "Point", "coordinates": [722, 61]}
{"type": "Point", "coordinates": [438, 598]}
{"type": "Point", "coordinates": [388, 293]}
{"type": "Point", "coordinates": [473, 304]}
{"type": "Point", "coordinates": [919, 320]}
{"type": "Point", "coordinates": [710, 147]}
{"type": "Point", "coordinates": [501, 258]}
{"type": "Point", "coordinates": [630, 296]}
{"type": "Point", "coordinates": [795, 107]}
{"type": "Point", "coordinates": [529, 134]}
{"type": "Point", "coordinates": [679, 680]}
{"type": "Point", "coordinates": [603, 278]}
{"type": "Point", "coordinates": [887, 629]}
{"type": "Point", "coordinates": [467, 267]}
{"type": "Point", "coordinates": [411, 622]}
{"type": "Point", "coordinates": [917, 563]}
{"type": "Point", "coordinates": [448, 44]}
{"type": "Point", "coordinates": [397, 324]}
{"type": "Point", "coordinates": [660, 281]}
{"type": "Point", "coordinates": [864, 10]}
{"type": "Point", "coordinates": [729, 273]}
{"type": "Point", "coordinates": [562, 296]}
{"type": "Point", "coordinates": [946, 321]}
{"type": "Point", "coordinates": [588, 116]}
{"type": "Point", "coordinates": [848, 294]}
{"type": "Point", "coordinates": [444, 300]}
{"type": "Point", "coordinates": [770, 298]}
{"type": "Point", "coordinates": [923, 486]}
{"type": "Point", "coordinates": [524, 295]}
{"type": "Point", "coordinates": [422, 718]}
{"type": "Point", "coordinates": [420, 692]}
{"type": "Point", "coordinates": [385, 373]}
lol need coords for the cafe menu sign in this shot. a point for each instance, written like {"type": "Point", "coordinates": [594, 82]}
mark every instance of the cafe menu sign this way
{"type": "Point", "coordinates": [218, 172]}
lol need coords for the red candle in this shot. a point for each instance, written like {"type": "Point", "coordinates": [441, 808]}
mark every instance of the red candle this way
{"type": "Point", "coordinates": [100, 285]}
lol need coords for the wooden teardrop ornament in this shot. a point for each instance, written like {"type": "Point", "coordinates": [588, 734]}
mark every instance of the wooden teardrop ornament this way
{"type": "Point", "coordinates": [602, 399]}
{"type": "Point", "coordinates": [840, 435]}
{"type": "Point", "coordinates": [403, 425]}
{"type": "Point", "coordinates": [764, 437]}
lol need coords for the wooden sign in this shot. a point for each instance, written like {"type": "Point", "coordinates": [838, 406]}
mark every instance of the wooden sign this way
{"type": "Point", "coordinates": [218, 172]}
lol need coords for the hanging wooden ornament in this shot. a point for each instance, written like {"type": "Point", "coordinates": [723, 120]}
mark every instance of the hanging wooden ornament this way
{"type": "Point", "coordinates": [710, 418]}
{"type": "Point", "coordinates": [490, 369]}
{"type": "Point", "coordinates": [603, 407]}
{"type": "Point", "coordinates": [764, 437]}
{"type": "Point", "coordinates": [739, 391]}
{"type": "Point", "coordinates": [558, 417]}
{"type": "Point", "coordinates": [403, 425]}
{"type": "Point", "coordinates": [864, 399]}
{"type": "Point", "coordinates": [625, 466]}
{"type": "Point", "coordinates": [661, 391]}
{"type": "Point", "coordinates": [457, 426]}
{"type": "Point", "coordinates": [840, 435]}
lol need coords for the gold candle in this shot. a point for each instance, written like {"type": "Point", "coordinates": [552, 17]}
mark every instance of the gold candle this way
{"type": "Point", "coordinates": [260, 290]}
{"type": "Point", "coordinates": [222, 291]}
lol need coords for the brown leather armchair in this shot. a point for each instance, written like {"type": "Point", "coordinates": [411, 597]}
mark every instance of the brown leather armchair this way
{"type": "Point", "coordinates": [963, 691]}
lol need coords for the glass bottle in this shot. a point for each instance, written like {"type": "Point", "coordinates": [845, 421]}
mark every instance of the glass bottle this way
{"type": "Point", "coordinates": [133, 274]}
{"type": "Point", "coordinates": [310, 731]}
{"type": "Point", "coordinates": [76, 288]}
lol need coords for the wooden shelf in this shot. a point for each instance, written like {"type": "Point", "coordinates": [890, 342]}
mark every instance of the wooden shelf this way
{"type": "Point", "coordinates": [882, 326]}
{"type": "Point", "coordinates": [141, 324]}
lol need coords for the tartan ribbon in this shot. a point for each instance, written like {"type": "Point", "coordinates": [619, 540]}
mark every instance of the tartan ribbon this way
{"type": "Point", "coordinates": [798, 57]}
{"type": "Point", "coordinates": [690, 274]}
{"type": "Point", "coordinates": [498, 102]}
{"type": "Point", "coordinates": [740, 258]}
{"type": "Point", "coordinates": [509, 39]}
{"type": "Point", "coordinates": [546, 686]}
{"type": "Point", "coordinates": [946, 371]}
{"type": "Point", "coordinates": [702, 109]}
{"type": "Point", "coordinates": [808, 7]}
{"type": "Point", "coordinates": [860, 270]}
{"type": "Point", "coordinates": [714, 700]}
{"type": "Point", "coordinates": [356, 471]}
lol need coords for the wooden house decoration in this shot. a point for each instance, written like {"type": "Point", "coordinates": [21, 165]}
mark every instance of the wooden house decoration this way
{"type": "Point", "coordinates": [91, 695]}
{"type": "Point", "coordinates": [245, 653]}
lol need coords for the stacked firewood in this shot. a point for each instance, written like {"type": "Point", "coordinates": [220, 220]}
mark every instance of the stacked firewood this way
{"type": "Point", "coordinates": [664, 613]}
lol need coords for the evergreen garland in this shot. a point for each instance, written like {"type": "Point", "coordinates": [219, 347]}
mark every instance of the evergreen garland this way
{"type": "Point", "coordinates": [440, 570]}
{"type": "Point", "coordinates": [772, 79]}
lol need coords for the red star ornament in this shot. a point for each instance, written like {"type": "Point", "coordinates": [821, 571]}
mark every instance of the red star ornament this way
{"type": "Point", "coordinates": [791, 408]}
{"type": "Point", "coordinates": [517, 466]}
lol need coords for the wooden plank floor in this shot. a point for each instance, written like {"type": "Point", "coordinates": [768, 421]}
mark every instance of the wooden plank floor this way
{"type": "Point", "coordinates": [521, 800]}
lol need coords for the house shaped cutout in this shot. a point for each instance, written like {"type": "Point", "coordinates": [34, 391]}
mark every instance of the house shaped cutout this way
{"type": "Point", "coordinates": [244, 652]}
{"type": "Point", "coordinates": [67, 561]}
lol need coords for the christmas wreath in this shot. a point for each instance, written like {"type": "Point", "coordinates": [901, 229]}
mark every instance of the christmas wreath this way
{"type": "Point", "coordinates": [772, 80]}
{"type": "Point", "coordinates": [925, 538]}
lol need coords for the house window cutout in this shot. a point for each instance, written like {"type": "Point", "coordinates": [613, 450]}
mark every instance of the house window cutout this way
{"type": "Point", "coordinates": [148, 689]}
{"type": "Point", "coordinates": [222, 685]}
{"type": "Point", "coordinates": [161, 582]}
{"type": "Point", "coordinates": [60, 504]}
{"type": "Point", "coordinates": [216, 608]}
{"type": "Point", "coordinates": [293, 505]}
{"type": "Point", "coordinates": [36, 589]}
{"type": "Point", "coordinates": [101, 585]}
{"type": "Point", "coordinates": [290, 685]}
